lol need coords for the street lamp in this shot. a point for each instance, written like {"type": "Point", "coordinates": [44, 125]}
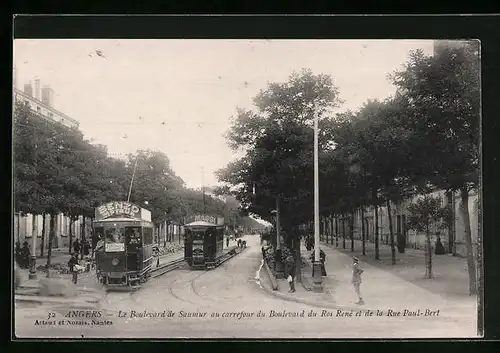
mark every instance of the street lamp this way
{"type": "Point", "coordinates": [32, 273]}
{"type": "Point", "coordinates": [317, 280]}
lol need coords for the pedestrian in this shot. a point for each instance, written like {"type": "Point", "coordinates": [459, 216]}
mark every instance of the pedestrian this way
{"type": "Point", "coordinates": [100, 245]}
{"type": "Point", "coordinates": [290, 264]}
{"type": "Point", "coordinates": [356, 279]}
{"type": "Point", "coordinates": [239, 243]}
{"type": "Point", "coordinates": [439, 246]}
{"type": "Point", "coordinates": [86, 247]}
{"type": "Point", "coordinates": [72, 264]}
{"type": "Point", "coordinates": [263, 252]}
{"type": "Point", "coordinates": [322, 257]}
{"type": "Point", "coordinates": [76, 247]}
{"type": "Point", "coordinates": [227, 241]}
{"type": "Point", "coordinates": [25, 255]}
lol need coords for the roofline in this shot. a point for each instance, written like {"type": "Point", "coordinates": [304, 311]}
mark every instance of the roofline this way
{"type": "Point", "coordinates": [18, 91]}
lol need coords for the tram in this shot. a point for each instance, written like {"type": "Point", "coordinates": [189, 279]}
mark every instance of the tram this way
{"type": "Point", "coordinates": [124, 252]}
{"type": "Point", "coordinates": [203, 241]}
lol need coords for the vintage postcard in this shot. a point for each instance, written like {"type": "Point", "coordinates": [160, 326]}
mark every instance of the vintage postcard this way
{"type": "Point", "coordinates": [207, 189]}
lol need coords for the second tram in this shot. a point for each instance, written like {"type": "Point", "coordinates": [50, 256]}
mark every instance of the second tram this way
{"type": "Point", "coordinates": [203, 241]}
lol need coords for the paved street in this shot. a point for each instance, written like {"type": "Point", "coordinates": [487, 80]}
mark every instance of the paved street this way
{"type": "Point", "coordinates": [233, 292]}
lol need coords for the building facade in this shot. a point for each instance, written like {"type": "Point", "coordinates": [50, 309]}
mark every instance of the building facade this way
{"type": "Point", "coordinates": [27, 225]}
{"type": "Point", "coordinates": [41, 104]}
{"type": "Point", "coordinates": [40, 100]}
{"type": "Point", "coordinates": [452, 237]}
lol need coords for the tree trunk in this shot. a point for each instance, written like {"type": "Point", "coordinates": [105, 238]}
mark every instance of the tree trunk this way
{"type": "Point", "coordinates": [471, 266]}
{"type": "Point", "coordinates": [298, 261]}
{"type": "Point", "coordinates": [82, 247]}
{"type": "Point", "coordinates": [71, 221]}
{"type": "Point", "coordinates": [480, 272]}
{"type": "Point", "coordinates": [51, 238]}
{"type": "Point", "coordinates": [336, 232]}
{"type": "Point", "coordinates": [352, 231]}
{"type": "Point", "coordinates": [451, 222]}
{"type": "Point", "coordinates": [18, 226]}
{"type": "Point", "coordinates": [428, 272]}
{"type": "Point", "coordinates": [377, 253]}
{"type": "Point", "coordinates": [343, 231]}
{"type": "Point", "coordinates": [363, 235]}
{"type": "Point", "coordinates": [42, 243]}
{"type": "Point", "coordinates": [391, 232]}
{"type": "Point", "coordinates": [331, 229]}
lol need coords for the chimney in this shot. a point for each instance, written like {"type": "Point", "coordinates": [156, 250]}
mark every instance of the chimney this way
{"type": "Point", "coordinates": [28, 89]}
{"type": "Point", "coordinates": [37, 88]}
{"type": "Point", "coordinates": [48, 96]}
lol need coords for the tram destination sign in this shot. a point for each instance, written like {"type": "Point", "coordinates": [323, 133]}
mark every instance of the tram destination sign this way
{"type": "Point", "coordinates": [206, 218]}
{"type": "Point", "coordinates": [117, 208]}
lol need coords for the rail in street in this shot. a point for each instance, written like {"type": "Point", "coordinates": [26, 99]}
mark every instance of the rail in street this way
{"type": "Point", "coordinates": [170, 266]}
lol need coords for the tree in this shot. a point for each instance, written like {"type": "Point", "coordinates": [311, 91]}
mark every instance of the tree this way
{"type": "Point", "coordinates": [277, 142]}
{"type": "Point", "coordinates": [443, 110]}
{"type": "Point", "coordinates": [423, 213]}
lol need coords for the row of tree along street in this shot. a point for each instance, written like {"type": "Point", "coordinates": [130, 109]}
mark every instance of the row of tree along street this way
{"type": "Point", "coordinates": [58, 171]}
{"type": "Point", "coordinates": [425, 137]}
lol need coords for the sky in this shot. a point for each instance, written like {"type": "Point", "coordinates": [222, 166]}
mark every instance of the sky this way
{"type": "Point", "coordinates": [178, 96]}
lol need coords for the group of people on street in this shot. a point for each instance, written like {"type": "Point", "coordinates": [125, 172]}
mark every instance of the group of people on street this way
{"type": "Point", "coordinates": [23, 254]}
{"type": "Point", "coordinates": [241, 243]}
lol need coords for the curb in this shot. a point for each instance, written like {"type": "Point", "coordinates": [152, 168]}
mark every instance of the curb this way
{"type": "Point", "coordinates": [56, 300]}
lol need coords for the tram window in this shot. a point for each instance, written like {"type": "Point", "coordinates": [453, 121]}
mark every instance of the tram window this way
{"type": "Point", "coordinates": [147, 236]}
{"type": "Point", "coordinates": [114, 235]}
{"type": "Point", "coordinates": [114, 239]}
{"type": "Point", "coordinates": [133, 237]}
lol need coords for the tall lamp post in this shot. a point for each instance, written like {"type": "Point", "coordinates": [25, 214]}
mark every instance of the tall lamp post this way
{"type": "Point", "coordinates": [317, 280]}
{"type": "Point", "coordinates": [32, 273]}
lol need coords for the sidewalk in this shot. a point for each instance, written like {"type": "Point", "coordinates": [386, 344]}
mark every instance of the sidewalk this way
{"type": "Point", "coordinates": [382, 288]}
{"type": "Point", "coordinates": [87, 280]}
{"type": "Point", "coordinates": [451, 278]}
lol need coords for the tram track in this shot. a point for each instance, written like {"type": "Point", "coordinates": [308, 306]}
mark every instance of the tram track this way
{"type": "Point", "coordinates": [165, 268]}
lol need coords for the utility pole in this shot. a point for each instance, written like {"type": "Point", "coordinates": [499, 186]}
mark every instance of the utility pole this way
{"type": "Point", "coordinates": [132, 180]}
{"type": "Point", "coordinates": [318, 281]}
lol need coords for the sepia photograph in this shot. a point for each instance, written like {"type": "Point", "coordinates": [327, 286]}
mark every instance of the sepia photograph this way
{"type": "Point", "coordinates": [246, 189]}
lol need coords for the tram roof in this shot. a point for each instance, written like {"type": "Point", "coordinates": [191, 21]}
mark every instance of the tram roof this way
{"type": "Point", "coordinates": [201, 224]}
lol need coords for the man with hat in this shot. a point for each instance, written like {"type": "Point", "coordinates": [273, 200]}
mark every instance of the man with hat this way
{"type": "Point", "coordinates": [356, 279]}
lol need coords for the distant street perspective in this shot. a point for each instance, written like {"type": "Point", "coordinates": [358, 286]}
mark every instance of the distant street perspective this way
{"type": "Point", "coordinates": [297, 198]}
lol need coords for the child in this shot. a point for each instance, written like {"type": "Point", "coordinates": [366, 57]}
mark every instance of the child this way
{"type": "Point", "coordinates": [356, 279]}
{"type": "Point", "coordinates": [73, 261]}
